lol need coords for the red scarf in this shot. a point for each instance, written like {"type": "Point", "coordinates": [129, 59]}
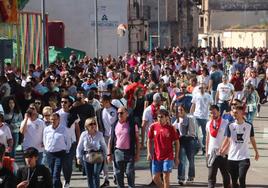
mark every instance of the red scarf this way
{"type": "Point", "coordinates": [214, 127]}
{"type": "Point", "coordinates": [154, 110]}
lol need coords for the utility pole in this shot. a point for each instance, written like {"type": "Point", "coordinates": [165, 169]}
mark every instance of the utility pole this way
{"type": "Point", "coordinates": [158, 23]}
{"type": "Point", "coordinates": [96, 30]}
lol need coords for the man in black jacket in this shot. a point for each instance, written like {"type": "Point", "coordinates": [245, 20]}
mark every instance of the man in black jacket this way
{"type": "Point", "coordinates": [7, 178]}
{"type": "Point", "coordinates": [33, 175]}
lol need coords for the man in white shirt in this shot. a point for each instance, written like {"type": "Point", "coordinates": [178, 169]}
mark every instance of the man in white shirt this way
{"type": "Point", "coordinates": [224, 94]}
{"type": "Point", "coordinates": [32, 129]}
{"type": "Point", "coordinates": [73, 132]}
{"type": "Point", "coordinates": [57, 143]}
{"type": "Point", "coordinates": [238, 135]}
{"type": "Point", "coordinates": [200, 109]}
{"type": "Point", "coordinates": [215, 135]}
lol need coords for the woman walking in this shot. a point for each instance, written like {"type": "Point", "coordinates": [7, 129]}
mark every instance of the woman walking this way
{"type": "Point", "coordinates": [91, 151]}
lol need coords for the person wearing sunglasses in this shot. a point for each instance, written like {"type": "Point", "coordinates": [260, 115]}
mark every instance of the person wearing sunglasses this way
{"type": "Point", "coordinates": [74, 132]}
{"type": "Point", "coordinates": [124, 147]}
{"type": "Point", "coordinates": [90, 141]}
{"type": "Point", "coordinates": [32, 129]}
{"type": "Point", "coordinates": [162, 136]}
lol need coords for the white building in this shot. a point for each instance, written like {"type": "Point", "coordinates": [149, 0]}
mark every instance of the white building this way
{"type": "Point", "coordinates": [79, 20]}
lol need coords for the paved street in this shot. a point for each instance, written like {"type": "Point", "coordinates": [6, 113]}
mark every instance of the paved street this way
{"type": "Point", "coordinates": [257, 175]}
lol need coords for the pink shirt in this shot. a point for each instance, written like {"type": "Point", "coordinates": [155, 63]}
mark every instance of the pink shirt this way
{"type": "Point", "coordinates": [122, 135]}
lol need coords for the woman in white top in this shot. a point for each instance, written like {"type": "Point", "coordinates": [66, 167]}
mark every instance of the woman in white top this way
{"type": "Point", "coordinates": [237, 137]}
{"type": "Point", "coordinates": [13, 118]}
{"type": "Point", "coordinates": [91, 141]}
{"type": "Point", "coordinates": [5, 134]}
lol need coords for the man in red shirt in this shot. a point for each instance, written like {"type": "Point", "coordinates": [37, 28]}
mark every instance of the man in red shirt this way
{"type": "Point", "coordinates": [162, 135]}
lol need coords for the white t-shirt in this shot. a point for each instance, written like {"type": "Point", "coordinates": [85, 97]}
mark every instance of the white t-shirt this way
{"type": "Point", "coordinates": [5, 134]}
{"type": "Point", "coordinates": [148, 116]}
{"type": "Point", "coordinates": [225, 91]}
{"type": "Point", "coordinates": [240, 138]}
{"type": "Point", "coordinates": [216, 142]}
{"type": "Point", "coordinates": [109, 116]}
{"type": "Point", "coordinates": [64, 121]}
{"type": "Point", "coordinates": [33, 136]}
{"type": "Point", "coordinates": [202, 103]}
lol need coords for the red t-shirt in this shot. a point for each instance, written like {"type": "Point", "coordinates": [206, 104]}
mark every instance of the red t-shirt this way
{"type": "Point", "coordinates": [163, 136]}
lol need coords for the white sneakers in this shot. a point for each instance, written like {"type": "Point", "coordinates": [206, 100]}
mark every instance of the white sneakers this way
{"type": "Point", "coordinates": [66, 185]}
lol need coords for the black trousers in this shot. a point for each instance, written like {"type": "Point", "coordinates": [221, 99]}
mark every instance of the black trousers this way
{"type": "Point", "coordinates": [238, 170]}
{"type": "Point", "coordinates": [219, 163]}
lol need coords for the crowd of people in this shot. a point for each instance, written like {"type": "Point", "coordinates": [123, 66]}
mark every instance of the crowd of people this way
{"type": "Point", "coordinates": [99, 113]}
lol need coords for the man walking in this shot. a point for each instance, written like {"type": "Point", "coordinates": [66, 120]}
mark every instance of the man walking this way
{"type": "Point", "coordinates": [162, 135]}
{"type": "Point", "coordinates": [124, 148]}
{"type": "Point", "coordinates": [215, 136]}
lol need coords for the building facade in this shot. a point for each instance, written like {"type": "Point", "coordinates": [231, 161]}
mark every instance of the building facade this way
{"type": "Point", "coordinates": [218, 16]}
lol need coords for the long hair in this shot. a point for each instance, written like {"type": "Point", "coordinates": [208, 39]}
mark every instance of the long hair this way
{"type": "Point", "coordinates": [6, 105]}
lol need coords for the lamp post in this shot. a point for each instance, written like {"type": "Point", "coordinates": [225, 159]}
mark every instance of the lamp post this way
{"type": "Point", "coordinates": [96, 30]}
{"type": "Point", "coordinates": [43, 10]}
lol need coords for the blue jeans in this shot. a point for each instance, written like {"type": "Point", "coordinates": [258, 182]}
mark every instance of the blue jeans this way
{"type": "Point", "coordinates": [67, 166]}
{"type": "Point", "coordinates": [124, 163]}
{"type": "Point", "coordinates": [202, 123]}
{"type": "Point", "coordinates": [186, 151]}
{"type": "Point", "coordinates": [93, 174]}
{"type": "Point", "coordinates": [15, 137]}
{"type": "Point", "coordinates": [250, 115]}
{"type": "Point", "coordinates": [224, 107]}
{"type": "Point", "coordinates": [54, 161]}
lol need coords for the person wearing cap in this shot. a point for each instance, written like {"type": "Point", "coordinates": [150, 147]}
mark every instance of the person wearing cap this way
{"type": "Point", "coordinates": [215, 129]}
{"type": "Point", "coordinates": [162, 136]}
{"type": "Point", "coordinates": [7, 178]}
{"type": "Point", "coordinates": [33, 175]}
{"type": "Point", "coordinates": [150, 116]}
{"type": "Point", "coordinates": [224, 95]}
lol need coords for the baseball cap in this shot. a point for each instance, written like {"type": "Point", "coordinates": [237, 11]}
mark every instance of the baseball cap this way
{"type": "Point", "coordinates": [158, 97]}
{"type": "Point", "coordinates": [30, 152]}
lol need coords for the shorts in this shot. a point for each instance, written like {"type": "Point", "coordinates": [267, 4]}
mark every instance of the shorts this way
{"type": "Point", "coordinates": [162, 166]}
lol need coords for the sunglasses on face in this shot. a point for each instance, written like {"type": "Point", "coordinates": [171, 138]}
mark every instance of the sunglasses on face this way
{"type": "Point", "coordinates": [120, 113]}
{"type": "Point", "coordinates": [92, 124]}
{"type": "Point", "coordinates": [64, 102]}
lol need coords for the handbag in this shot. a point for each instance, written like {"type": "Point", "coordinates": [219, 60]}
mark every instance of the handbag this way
{"type": "Point", "coordinates": [94, 157]}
